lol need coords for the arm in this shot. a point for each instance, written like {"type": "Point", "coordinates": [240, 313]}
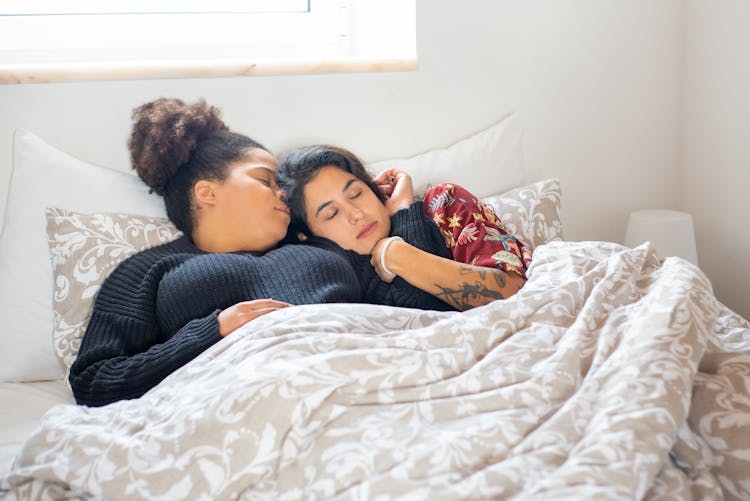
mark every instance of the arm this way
{"type": "Point", "coordinates": [123, 357]}
{"type": "Point", "coordinates": [107, 370]}
{"type": "Point", "coordinates": [398, 292]}
{"type": "Point", "coordinates": [460, 285]}
{"type": "Point", "coordinates": [126, 349]}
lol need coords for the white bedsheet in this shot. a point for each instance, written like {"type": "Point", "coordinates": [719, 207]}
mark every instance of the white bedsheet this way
{"type": "Point", "coordinates": [22, 405]}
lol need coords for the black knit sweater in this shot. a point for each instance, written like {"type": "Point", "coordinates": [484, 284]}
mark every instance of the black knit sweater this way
{"type": "Point", "coordinates": [158, 309]}
{"type": "Point", "coordinates": [416, 228]}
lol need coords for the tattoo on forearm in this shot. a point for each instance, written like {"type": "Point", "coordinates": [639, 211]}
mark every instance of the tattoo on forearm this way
{"type": "Point", "coordinates": [466, 270]}
{"type": "Point", "coordinates": [466, 295]}
{"type": "Point", "coordinates": [499, 276]}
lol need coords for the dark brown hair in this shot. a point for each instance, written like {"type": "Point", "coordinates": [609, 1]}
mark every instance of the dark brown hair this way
{"type": "Point", "coordinates": [300, 165]}
{"type": "Point", "coordinates": [173, 145]}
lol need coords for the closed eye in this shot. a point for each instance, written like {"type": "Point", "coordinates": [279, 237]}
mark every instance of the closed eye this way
{"type": "Point", "coordinates": [266, 180]}
{"type": "Point", "coordinates": [263, 175]}
{"type": "Point", "coordinates": [333, 213]}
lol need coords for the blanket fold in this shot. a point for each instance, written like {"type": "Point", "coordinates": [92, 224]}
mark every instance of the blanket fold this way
{"type": "Point", "coordinates": [611, 375]}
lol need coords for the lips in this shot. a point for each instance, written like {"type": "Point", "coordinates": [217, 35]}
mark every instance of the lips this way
{"type": "Point", "coordinates": [283, 210]}
{"type": "Point", "coordinates": [367, 230]}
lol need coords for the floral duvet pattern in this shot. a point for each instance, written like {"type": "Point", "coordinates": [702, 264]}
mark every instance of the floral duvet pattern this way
{"type": "Point", "coordinates": [611, 375]}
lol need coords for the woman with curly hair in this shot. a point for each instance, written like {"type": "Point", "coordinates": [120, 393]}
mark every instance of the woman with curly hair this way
{"type": "Point", "coordinates": [449, 245]}
{"type": "Point", "coordinates": [164, 306]}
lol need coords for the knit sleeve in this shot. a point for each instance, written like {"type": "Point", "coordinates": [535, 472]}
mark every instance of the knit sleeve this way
{"type": "Point", "coordinates": [107, 371]}
{"type": "Point", "coordinates": [416, 228]}
{"type": "Point", "coordinates": [124, 354]}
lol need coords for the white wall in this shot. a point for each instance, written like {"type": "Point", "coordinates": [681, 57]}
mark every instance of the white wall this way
{"type": "Point", "coordinates": [716, 143]}
{"type": "Point", "coordinates": [596, 82]}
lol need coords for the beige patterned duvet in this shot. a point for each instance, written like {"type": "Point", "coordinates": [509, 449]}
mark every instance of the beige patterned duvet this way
{"type": "Point", "coordinates": [610, 376]}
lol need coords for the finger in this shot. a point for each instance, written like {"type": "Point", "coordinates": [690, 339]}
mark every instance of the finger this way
{"type": "Point", "coordinates": [263, 310]}
{"type": "Point", "coordinates": [385, 189]}
{"type": "Point", "coordinates": [264, 303]}
{"type": "Point", "coordinates": [403, 183]}
{"type": "Point", "coordinates": [259, 312]}
{"type": "Point", "coordinates": [249, 316]}
{"type": "Point", "coordinates": [273, 303]}
{"type": "Point", "coordinates": [383, 176]}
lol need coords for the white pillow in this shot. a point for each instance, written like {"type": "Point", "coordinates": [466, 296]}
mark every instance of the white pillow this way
{"type": "Point", "coordinates": [44, 176]}
{"type": "Point", "coordinates": [487, 163]}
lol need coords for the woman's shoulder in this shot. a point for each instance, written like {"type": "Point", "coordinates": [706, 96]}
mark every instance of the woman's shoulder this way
{"type": "Point", "coordinates": [314, 251]}
{"type": "Point", "coordinates": [309, 246]}
{"type": "Point", "coordinates": [143, 261]}
{"type": "Point", "coordinates": [413, 213]}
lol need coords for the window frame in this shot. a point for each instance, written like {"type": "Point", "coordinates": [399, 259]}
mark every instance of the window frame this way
{"type": "Point", "coordinates": [330, 36]}
{"type": "Point", "coordinates": [96, 7]}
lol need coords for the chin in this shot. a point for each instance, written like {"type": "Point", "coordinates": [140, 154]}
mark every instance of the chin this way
{"type": "Point", "coordinates": [365, 249]}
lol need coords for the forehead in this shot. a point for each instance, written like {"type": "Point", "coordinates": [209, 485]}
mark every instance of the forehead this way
{"type": "Point", "coordinates": [259, 157]}
{"type": "Point", "coordinates": [326, 185]}
{"type": "Point", "coordinates": [330, 175]}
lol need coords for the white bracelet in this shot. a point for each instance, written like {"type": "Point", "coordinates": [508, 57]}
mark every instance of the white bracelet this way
{"type": "Point", "coordinates": [382, 255]}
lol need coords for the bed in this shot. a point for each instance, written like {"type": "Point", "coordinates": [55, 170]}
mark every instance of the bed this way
{"type": "Point", "coordinates": [613, 374]}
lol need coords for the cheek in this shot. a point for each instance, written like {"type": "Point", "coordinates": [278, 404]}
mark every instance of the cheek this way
{"type": "Point", "coordinates": [319, 228]}
{"type": "Point", "coordinates": [335, 232]}
{"type": "Point", "coordinates": [385, 217]}
{"type": "Point", "coordinates": [385, 231]}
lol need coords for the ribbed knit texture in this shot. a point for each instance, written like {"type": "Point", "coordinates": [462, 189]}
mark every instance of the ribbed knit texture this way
{"type": "Point", "coordinates": [417, 229]}
{"type": "Point", "coordinates": [158, 309]}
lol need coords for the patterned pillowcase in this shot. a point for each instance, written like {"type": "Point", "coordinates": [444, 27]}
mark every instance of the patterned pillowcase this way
{"type": "Point", "coordinates": [531, 212]}
{"type": "Point", "coordinates": [84, 249]}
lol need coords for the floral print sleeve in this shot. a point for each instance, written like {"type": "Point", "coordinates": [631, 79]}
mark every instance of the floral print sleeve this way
{"type": "Point", "coordinates": [472, 230]}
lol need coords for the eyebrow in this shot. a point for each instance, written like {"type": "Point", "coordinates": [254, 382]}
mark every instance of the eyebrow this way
{"type": "Point", "coordinates": [346, 187]}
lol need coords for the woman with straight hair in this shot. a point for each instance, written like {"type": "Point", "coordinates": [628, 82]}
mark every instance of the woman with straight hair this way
{"type": "Point", "coordinates": [449, 246]}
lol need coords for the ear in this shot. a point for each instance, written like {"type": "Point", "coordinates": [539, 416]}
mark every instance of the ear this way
{"type": "Point", "coordinates": [205, 193]}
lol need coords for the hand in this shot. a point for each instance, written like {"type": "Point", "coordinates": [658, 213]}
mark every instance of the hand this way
{"type": "Point", "coordinates": [239, 314]}
{"type": "Point", "coordinates": [378, 258]}
{"type": "Point", "coordinates": [397, 186]}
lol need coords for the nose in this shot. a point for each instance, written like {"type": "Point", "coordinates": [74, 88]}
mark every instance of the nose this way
{"type": "Point", "coordinates": [355, 214]}
{"type": "Point", "coordinates": [282, 195]}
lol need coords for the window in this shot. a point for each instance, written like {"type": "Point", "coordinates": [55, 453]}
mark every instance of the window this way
{"type": "Point", "coordinates": [50, 40]}
{"type": "Point", "coordinates": [89, 7]}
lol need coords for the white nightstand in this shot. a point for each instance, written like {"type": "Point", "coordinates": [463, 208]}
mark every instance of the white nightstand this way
{"type": "Point", "coordinates": [671, 232]}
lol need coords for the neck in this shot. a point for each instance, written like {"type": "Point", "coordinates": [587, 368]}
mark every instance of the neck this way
{"type": "Point", "coordinates": [206, 242]}
{"type": "Point", "coordinates": [210, 236]}
{"type": "Point", "coordinates": [216, 236]}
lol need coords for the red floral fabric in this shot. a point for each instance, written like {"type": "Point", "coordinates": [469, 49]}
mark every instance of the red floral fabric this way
{"type": "Point", "coordinates": [472, 230]}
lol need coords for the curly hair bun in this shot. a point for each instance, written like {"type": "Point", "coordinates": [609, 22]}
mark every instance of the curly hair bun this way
{"type": "Point", "coordinates": [165, 133]}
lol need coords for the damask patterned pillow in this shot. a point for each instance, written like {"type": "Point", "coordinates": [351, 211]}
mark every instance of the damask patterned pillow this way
{"type": "Point", "coordinates": [84, 249]}
{"type": "Point", "coordinates": [531, 212]}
